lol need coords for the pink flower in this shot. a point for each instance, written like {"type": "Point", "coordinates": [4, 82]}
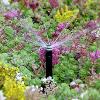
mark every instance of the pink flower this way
{"type": "Point", "coordinates": [55, 55]}
{"type": "Point", "coordinates": [98, 53]}
{"type": "Point", "coordinates": [83, 51]}
{"type": "Point", "coordinates": [95, 55]}
{"type": "Point", "coordinates": [91, 25]}
{"type": "Point", "coordinates": [12, 14]}
{"type": "Point", "coordinates": [54, 3]}
{"type": "Point", "coordinates": [42, 53]}
{"type": "Point", "coordinates": [64, 49]}
{"type": "Point", "coordinates": [59, 28]}
{"type": "Point", "coordinates": [27, 3]}
{"type": "Point", "coordinates": [62, 26]}
{"type": "Point", "coordinates": [92, 56]}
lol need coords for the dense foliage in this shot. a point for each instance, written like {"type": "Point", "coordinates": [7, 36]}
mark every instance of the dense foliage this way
{"type": "Point", "coordinates": [73, 29]}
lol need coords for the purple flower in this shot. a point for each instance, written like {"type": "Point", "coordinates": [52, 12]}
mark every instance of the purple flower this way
{"type": "Point", "coordinates": [33, 5]}
{"type": "Point", "coordinates": [64, 49]}
{"type": "Point", "coordinates": [42, 52]}
{"type": "Point", "coordinates": [91, 25]}
{"type": "Point", "coordinates": [67, 24]}
{"type": "Point", "coordinates": [98, 53]}
{"type": "Point", "coordinates": [12, 14]}
{"type": "Point", "coordinates": [92, 56]}
{"type": "Point", "coordinates": [15, 0]}
{"type": "Point", "coordinates": [55, 55]}
{"type": "Point", "coordinates": [61, 26]}
{"type": "Point", "coordinates": [95, 55]}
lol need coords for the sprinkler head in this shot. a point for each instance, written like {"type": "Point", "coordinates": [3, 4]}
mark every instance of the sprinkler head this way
{"type": "Point", "coordinates": [48, 61]}
{"type": "Point", "coordinates": [48, 48]}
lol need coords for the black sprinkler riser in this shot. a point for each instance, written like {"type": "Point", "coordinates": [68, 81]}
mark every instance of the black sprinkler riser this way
{"type": "Point", "coordinates": [48, 62]}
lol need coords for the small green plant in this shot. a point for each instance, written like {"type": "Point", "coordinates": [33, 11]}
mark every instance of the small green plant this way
{"type": "Point", "coordinates": [64, 92]}
{"type": "Point", "coordinates": [67, 70]}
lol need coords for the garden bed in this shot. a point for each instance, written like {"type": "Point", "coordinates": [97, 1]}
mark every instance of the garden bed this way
{"type": "Point", "coordinates": [49, 50]}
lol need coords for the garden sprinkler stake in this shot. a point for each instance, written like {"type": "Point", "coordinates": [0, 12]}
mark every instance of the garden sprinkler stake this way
{"type": "Point", "coordinates": [48, 61]}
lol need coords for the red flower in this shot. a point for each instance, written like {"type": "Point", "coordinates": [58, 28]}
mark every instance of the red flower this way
{"type": "Point", "coordinates": [27, 3]}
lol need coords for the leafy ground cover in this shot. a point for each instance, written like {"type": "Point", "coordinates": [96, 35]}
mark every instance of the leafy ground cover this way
{"type": "Point", "coordinates": [72, 27]}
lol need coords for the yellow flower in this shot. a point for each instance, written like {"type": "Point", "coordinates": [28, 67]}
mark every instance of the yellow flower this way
{"type": "Point", "coordinates": [14, 90]}
{"type": "Point", "coordinates": [64, 14]}
{"type": "Point", "coordinates": [66, 8]}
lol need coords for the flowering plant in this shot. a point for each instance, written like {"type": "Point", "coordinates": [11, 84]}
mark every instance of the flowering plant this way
{"type": "Point", "coordinates": [13, 87]}
{"type": "Point", "coordinates": [65, 15]}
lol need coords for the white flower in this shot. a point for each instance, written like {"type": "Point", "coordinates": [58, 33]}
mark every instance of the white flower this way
{"type": "Point", "coordinates": [49, 78]}
{"type": "Point", "coordinates": [19, 77]}
{"type": "Point", "coordinates": [33, 88]}
{"type": "Point", "coordinates": [1, 96]}
{"type": "Point", "coordinates": [6, 2]}
{"type": "Point", "coordinates": [44, 80]}
{"type": "Point", "coordinates": [98, 33]}
{"type": "Point", "coordinates": [72, 83]}
{"type": "Point", "coordinates": [41, 88]}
